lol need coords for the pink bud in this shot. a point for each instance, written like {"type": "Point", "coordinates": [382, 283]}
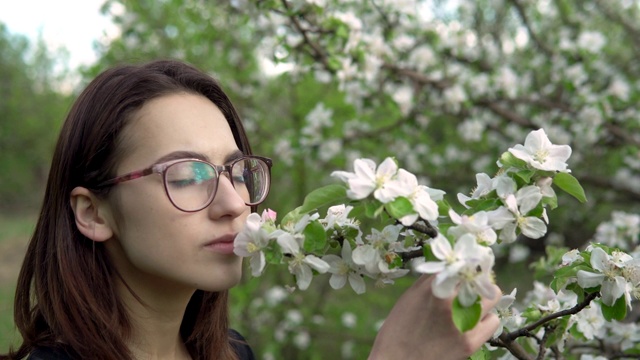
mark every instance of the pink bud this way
{"type": "Point", "coordinates": [268, 215]}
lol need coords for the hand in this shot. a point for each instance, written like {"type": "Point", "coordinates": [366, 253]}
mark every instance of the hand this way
{"type": "Point", "coordinates": [420, 326]}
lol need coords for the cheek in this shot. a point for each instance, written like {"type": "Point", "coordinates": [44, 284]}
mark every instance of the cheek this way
{"type": "Point", "coordinates": [137, 206]}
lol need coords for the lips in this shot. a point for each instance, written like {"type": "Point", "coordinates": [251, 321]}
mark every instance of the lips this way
{"type": "Point", "coordinates": [222, 244]}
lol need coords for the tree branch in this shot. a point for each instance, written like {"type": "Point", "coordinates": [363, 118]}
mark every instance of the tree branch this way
{"type": "Point", "coordinates": [418, 77]}
{"type": "Point", "coordinates": [513, 347]}
{"type": "Point", "coordinates": [424, 227]}
{"type": "Point", "coordinates": [505, 113]}
{"type": "Point", "coordinates": [525, 20]}
{"type": "Point", "coordinates": [633, 32]}
{"type": "Point", "coordinates": [527, 329]}
{"type": "Point", "coordinates": [608, 184]}
{"type": "Point", "coordinates": [316, 51]}
{"type": "Point", "coordinates": [622, 134]}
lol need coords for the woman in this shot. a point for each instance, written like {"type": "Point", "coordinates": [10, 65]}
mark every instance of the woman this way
{"type": "Point", "coordinates": [132, 255]}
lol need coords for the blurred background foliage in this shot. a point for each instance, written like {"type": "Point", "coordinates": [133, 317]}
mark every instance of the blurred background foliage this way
{"type": "Point", "coordinates": [306, 118]}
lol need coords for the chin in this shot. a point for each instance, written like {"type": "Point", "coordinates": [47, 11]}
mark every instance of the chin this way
{"type": "Point", "coordinates": [223, 279]}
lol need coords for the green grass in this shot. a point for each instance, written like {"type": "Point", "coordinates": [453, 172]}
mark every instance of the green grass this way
{"type": "Point", "coordinates": [14, 234]}
{"type": "Point", "coordinates": [8, 333]}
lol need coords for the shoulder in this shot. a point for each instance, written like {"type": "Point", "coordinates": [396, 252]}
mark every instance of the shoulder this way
{"type": "Point", "coordinates": [240, 346]}
{"type": "Point", "coordinates": [47, 353]}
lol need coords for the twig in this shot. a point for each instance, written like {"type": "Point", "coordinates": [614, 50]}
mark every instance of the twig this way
{"type": "Point", "coordinates": [317, 52]}
{"type": "Point", "coordinates": [622, 134]}
{"type": "Point", "coordinates": [418, 77]}
{"type": "Point", "coordinates": [424, 227]}
{"type": "Point", "coordinates": [527, 24]}
{"type": "Point", "coordinates": [513, 347]}
{"type": "Point", "coordinates": [505, 113]}
{"type": "Point", "coordinates": [541, 346]}
{"type": "Point", "coordinates": [574, 310]}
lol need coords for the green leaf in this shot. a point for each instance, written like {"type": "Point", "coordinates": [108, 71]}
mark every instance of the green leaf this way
{"type": "Point", "coordinates": [443, 207]}
{"type": "Point", "coordinates": [570, 184]}
{"type": "Point", "coordinates": [292, 216]}
{"type": "Point", "coordinates": [373, 208]}
{"type": "Point", "coordinates": [396, 263]}
{"type": "Point", "coordinates": [399, 207]}
{"type": "Point", "coordinates": [559, 329]}
{"type": "Point", "coordinates": [551, 201]}
{"type": "Point", "coordinates": [482, 205]}
{"type": "Point", "coordinates": [482, 354]}
{"type": "Point", "coordinates": [273, 257]}
{"type": "Point", "coordinates": [466, 318]}
{"type": "Point", "coordinates": [428, 254]}
{"type": "Point", "coordinates": [324, 196]}
{"type": "Point", "coordinates": [508, 160]}
{"type": "Point", "coordinates": [526, 175]}
{"type": "Point", "coordinates": [532, 314]}
{"type": "Point", "coordinates": [315, 237]}
{"type": "Point", "coordinates": [618, 311]}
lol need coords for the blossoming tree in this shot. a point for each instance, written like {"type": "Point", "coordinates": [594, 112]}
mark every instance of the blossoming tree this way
{"type": "Point", "coordinates": [596, 284]}
{"type": "Point", "coordinates": [443, 89]}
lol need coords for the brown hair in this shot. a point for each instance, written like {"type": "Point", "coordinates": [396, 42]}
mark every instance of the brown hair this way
{"type": "Point", "coordinates": [65, 297]}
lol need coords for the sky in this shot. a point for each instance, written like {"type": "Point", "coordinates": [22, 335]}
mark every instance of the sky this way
{"type": "Point", "coordinates": [74, 24]}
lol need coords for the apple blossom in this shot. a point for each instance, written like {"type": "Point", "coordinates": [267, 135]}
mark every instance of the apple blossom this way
{"type": "Point", "coordinates": [367, 179]}
{"type": "Point", "coordinates": [519, 205]}
{"type": "Point", "coordinates": [476, 225]}
{"type": "Point", "coordinates": [539, 153]}
{"type": "Point", "coordinates": [627, 335]}
{"type": "Point", "coordinates": [372, 253]}
{"type": "Point", "coordinates": [590, 322]}
{"type": "Point", "coordinates": [509, 318]}
{"type": "Point", "coordinates": [251, 241]}
{"type": "Point", "coordinates": [607, 275]}
{"type": "Point", "coordinates": [300, 264]}
{"type": "Point", "coordinates": [465, 269]}
{"type": "Point", "coordinates": [406, 184]}
{"type": "Point", "coordinates": [343, 268]}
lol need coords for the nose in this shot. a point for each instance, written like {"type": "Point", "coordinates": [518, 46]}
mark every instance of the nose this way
{"type": "Point", "coordinates": [227, 201]}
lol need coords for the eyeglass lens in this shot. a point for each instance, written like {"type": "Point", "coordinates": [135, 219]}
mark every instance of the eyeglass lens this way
{"type": "Point", "coordinates": [191, 185]}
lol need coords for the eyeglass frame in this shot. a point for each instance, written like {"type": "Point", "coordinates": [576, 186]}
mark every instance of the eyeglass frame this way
{"type": "Point", "coordinates": [161, 169]}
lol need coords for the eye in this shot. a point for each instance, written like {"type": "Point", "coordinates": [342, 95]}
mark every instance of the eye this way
{"type": "Point", "coordinates": [183, 183]}
{"type": "Point", "coordinates": [239, 179]}
{"type": "Point", "coordinates": [189, 173]}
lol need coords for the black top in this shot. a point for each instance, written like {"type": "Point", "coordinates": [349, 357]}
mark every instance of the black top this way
{"type": "Point", "coordinates": [242, 349]}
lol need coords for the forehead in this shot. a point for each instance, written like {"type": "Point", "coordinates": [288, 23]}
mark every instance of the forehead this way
{"type": "Point", "coordinates": [176, 122]}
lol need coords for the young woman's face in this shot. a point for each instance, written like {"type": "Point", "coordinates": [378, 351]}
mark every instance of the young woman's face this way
{"type": "Point", "coordinates": [155, 245]}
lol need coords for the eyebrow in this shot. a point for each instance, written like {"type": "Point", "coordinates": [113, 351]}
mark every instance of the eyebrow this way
{"type": "Point", "coordinates": [184, 154]}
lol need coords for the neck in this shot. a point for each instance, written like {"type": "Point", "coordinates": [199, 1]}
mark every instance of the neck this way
{"type": "Point", "coordinates": [156, 316]}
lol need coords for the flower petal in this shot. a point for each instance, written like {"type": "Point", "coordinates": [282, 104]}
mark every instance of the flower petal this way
{"type": "Point", "coordinates": [303, 276]}
{"type": "Point", "coordinates": [588, 279]}
{"type": "Point", "coordinates": [337, 281]}
{"type": "Point", "coordinates": [430, 267]}
{"type": "Point", "coordinates": [257, 264]}
{"type": "Point", "coordinates": [288, 244]}
{"type": "Point", "coordinates": [533, 227]}
{"type": "Point", "coordinates": [357, 283]}
{"type": "Point", "coordinates": [316, 263]}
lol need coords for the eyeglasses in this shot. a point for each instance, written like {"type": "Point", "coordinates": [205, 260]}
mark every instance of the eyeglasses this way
{"type": "Point", "coordinates": [191, 184]}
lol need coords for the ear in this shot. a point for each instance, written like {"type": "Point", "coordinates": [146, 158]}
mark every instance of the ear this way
{"type": "Point", "coordinates": [91, 215]}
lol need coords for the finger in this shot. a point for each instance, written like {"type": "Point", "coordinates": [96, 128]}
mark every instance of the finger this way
{"type": "Point", "coordinates": [484, 330]}
{"type": "Point", "coordinates": [489, 304]}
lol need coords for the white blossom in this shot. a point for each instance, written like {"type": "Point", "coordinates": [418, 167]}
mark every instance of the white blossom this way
{"type": "Point", "coordinates": [465, 268]}
{"type": "Point", "coordinates": [366, 179]}
{"type": "Point", "coordinates": [343, 269]}
{"type": "Point", "coordinates": [300, 264]}
{"type": "Point", "coordinates": [613, 285]}
{"type": "Point", "coordinates": [590, 322]}
{"type": "Point", "coordinates": [251, 241]}
{"type": "Point", "coordinates": [541, 154]}
{"type": "Point", "coordinates": [476, 224]}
